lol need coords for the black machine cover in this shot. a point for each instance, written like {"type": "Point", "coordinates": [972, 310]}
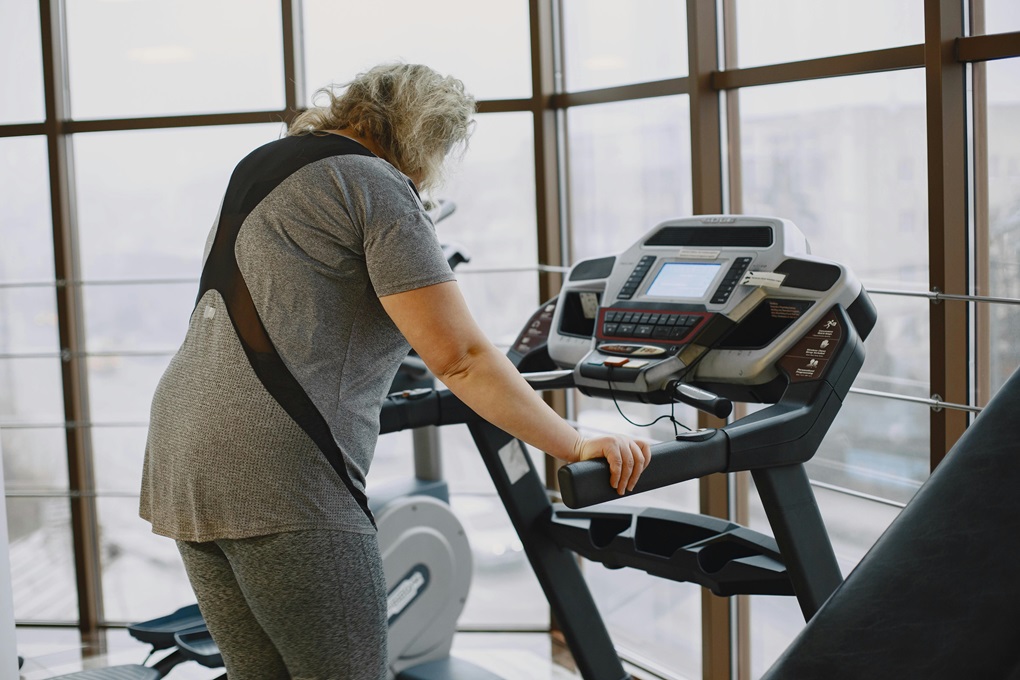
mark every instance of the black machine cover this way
{"type": "Point", "coordinates": [938, 596]}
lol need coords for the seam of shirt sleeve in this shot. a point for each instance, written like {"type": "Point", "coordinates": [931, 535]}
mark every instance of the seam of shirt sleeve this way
{"type": "Point", "coordinates": [416, 284]}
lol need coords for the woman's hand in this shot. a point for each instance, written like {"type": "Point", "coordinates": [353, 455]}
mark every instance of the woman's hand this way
{"type": "Point", "coordinates": [627, 458]}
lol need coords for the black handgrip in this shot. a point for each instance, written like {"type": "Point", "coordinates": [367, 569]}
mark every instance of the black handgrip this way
{"type": "Point", "coordinates": [414, 368]}
{"type": "Point", "coordinates": [418, 408]}
{"type": "Point", "coordinates": [703, 400]}
{"type": "Point", "coordinates": [550, 380]}
{"type": "Point", "coordinates": [691, 456]}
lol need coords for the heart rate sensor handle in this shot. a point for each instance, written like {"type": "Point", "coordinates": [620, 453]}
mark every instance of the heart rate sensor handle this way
{"type": "Point", "coordinates": [703, 400]}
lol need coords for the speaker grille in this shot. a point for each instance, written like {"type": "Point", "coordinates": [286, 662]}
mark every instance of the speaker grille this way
{"type": "Point", "coordinates": [718, 237]}
{"type": "Point", "coordinates": [589, 270]}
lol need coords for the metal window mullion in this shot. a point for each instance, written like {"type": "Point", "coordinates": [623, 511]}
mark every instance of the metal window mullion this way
{"type": "Point", "coordinates": [705, 109]}
{"type": "Point", "coordinates": [22, 130]}
{"type": "Point", "coordinates": [945, 89]}
{"type": "Point", "coordinates": [622, 93]}
{"type": "Point", "coordinates": [877, 61]}
{"type": "Point", "coordinates": [293, 57]}
{"type": "Point", "coordinates": [740, 494]}
{"type": "Point", "coordinates": [84, 523]}
{"type": "Point", "coordinates": [178, 121]}
{"type": "Point", "coordinates": [547, 190]}
{"type": "Point", "coordinates": [547, 198]}
{"type": "Point", "coordinates": [707, 191]}
{"type": "Point", "coordinates": [733, 136]}
{"type": "Point", "coordinates": [987, 47]}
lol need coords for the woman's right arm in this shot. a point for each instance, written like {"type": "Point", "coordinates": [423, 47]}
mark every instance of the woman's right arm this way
{"type": "Point", "coordinates": [438, 325]}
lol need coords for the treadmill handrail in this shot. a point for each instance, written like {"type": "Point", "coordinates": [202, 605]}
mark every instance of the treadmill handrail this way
{"type": "Point", "coordinates": [411, 409]}
{"type": "Point", "coordinates": [419, 408]}
{"type": "Point", "coordinates": [587, 482]}
{"type": "Point", "coordinates": [550, 380]}
{"type": "Point", "coordinates": [785, 433]}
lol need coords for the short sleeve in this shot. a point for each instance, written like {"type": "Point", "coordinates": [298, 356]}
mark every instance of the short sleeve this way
{"type": "Point", "coordinates": [404, 255]}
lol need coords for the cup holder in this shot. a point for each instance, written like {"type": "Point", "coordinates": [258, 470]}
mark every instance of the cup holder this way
{"type": "Point", "coordinates": [664, 536]}
{"type": "Point", "coordinates": [679, 546]}
{"type": "Point", "coordinates": [716, 555]}
{"type": "Point", "coordinates": [603, 530]}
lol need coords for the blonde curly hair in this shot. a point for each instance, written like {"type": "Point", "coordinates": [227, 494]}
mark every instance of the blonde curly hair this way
{"type": "Point", "coordinates": [414, 114]}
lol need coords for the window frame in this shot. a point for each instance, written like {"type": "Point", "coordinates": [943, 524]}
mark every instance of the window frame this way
{"type": "Point", "coordinates": [957, 221]}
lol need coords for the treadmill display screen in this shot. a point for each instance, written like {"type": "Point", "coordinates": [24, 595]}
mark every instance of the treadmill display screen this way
{"type": "Point", "coordinates": [683, 280]}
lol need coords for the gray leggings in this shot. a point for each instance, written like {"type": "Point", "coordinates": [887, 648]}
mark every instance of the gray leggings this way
{"type": "Point", "coordinates": [304, 604]}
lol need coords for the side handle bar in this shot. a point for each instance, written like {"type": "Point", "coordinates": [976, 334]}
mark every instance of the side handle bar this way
{"type": "Point", "coordinates": [411, 409]}
{"type": "Point", "coordinates": [701, 399]}
{"type": "Point", "coordinates": [785, 433]}
{"type": "Point", "coordinates": [418, 408]}
{"type": "Point", "coordinates": [693, 455]}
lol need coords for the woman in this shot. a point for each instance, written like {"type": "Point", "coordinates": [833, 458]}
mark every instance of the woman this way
{"type": "Point", "coordinates": [321, 271]}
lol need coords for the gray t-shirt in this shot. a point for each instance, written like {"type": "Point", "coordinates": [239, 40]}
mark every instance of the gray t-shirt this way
{"type": "Point", "coordinates": [288, 332]}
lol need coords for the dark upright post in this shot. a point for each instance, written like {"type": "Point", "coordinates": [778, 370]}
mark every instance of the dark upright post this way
{"type": "Point", "coordinates": [803, 541]}
{"type": "Point", "coordinates": [557, 569]}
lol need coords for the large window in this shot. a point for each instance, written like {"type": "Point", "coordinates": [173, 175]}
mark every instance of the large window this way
{"type": "Point", "coordinates": [486, 46]}
{"type": "Point", "coordinates": [31, 411]}
{"type": "Point", "coordinates": [598, 121]}
{"type": "Point", "coordinates": [997, 16]}
{"type": "Point", "coordinates": [797, 31]}
{"type": "Point", "coordinates": [629, 168]}
{"type": "Point", "coordinates": [172, 57]}
{"type": "Point", "coordinates": [20, 63]}
{"type": "Point", "coordinates": [844, 159]}
{"type": "Point", "coordinates": [1002, 272]}
{"type": "Point", "coordinates": [608, 43]}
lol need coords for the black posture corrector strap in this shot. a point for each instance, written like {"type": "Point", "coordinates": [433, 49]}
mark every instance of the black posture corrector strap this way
{"type": "Point", "coordinates": [255, 177]}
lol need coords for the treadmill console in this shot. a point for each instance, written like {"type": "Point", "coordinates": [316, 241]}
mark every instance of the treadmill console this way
{"type": "Point", "coordinates": [735, 304]}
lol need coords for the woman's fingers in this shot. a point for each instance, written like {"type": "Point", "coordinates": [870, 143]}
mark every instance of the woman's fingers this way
{"type": "Point", "coordinates": [639, 456]}
{"type": "Point", "coordinates": [627, 468]}
{"type": "Point", "coordinates": [627, 459]}
{"type": "Point", "coordinates": [612, 456]}
{"type": "Point", "coordinates": [642, 456]}
{"type": "Point", "coordinates": [633, 458]}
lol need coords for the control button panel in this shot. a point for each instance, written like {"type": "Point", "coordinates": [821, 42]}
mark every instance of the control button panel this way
{"type": "Point", "coordinates": [537, 330]}
{"type": "Point", "coordinates": [665, 327]}
{"type": "Point", "coordinates": [636, 277]}
{"type": "Point", "coordinates": [729, 282]}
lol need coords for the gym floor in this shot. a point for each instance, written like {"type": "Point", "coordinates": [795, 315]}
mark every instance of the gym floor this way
{"type": "Point", "coordinates": [49, 652]}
